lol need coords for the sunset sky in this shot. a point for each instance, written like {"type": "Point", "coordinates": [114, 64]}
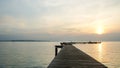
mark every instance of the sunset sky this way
{"type": "Point", "coordinates": [60, 19]}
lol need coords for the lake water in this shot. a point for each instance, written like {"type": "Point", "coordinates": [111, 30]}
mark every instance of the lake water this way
{"type": "Point", "coordinates": [40, 54]}
{"type": "Point", "coordinates": [107, 53]}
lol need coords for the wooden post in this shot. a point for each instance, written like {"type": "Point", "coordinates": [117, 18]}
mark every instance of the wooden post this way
{"type": "Point", "coordinates": [56, 48]}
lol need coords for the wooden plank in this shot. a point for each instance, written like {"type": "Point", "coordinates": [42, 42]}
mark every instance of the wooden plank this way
{"type": "Point", "coordinates": [71, 57]}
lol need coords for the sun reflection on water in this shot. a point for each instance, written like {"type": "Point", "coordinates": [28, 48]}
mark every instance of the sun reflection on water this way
{"type": "Point", "coordinates": [100, 52]}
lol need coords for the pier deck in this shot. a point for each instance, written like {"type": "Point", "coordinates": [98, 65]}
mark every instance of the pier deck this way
{"type": "Point", "coordinates": [71, 57]}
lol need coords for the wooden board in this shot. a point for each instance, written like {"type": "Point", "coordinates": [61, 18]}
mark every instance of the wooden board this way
{"type": "Point", "coordinates": [71, 57]}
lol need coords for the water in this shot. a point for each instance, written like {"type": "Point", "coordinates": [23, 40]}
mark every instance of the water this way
{"type": "Point", "coordinates": [26, 54]}
{"type": "Point", "coordinates": [40, 54]}
{"type": "Point", "coordinates": [107, 53]}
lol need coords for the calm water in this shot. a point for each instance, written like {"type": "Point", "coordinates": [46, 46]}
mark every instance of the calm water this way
{"type": "Point", "coordinates": [107, 53]}
{"type": "Point", "coordinates": [26, 54]}
{"type": "Point", "coordinates": [40, 54]}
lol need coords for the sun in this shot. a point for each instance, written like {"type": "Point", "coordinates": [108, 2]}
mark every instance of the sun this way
{"type": "Point", "coordinates": [99, 30]}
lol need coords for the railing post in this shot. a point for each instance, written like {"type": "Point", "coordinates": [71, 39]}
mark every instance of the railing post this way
{"type": "Point", "coordinates": [56, 48]}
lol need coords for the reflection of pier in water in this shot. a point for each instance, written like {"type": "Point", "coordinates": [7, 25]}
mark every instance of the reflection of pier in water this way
{"type": "Point", "coordinates": [71, 57]}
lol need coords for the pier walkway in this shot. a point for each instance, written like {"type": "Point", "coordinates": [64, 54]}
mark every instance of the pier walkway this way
{"type": "Point", "coordinates": [71, 57]}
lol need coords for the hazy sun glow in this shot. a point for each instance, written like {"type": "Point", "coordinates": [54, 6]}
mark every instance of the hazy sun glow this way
{"type": "Point", "coordinates": [100, 30]}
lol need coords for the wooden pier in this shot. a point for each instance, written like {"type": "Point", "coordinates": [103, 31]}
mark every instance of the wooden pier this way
{"type": "Point", "coordinates": [71, 57]}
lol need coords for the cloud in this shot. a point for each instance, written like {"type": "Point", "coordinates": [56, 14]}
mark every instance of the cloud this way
{"type": "Point", "coordinates": [10, 25]}
{"type": "Point", "coordinates": [12, 22]}
{"type": "Point", "coordinates": [58, 17]}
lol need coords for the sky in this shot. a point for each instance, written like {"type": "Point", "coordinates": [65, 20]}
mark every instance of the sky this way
{"type": "Point", "coordinates": [60, 20]}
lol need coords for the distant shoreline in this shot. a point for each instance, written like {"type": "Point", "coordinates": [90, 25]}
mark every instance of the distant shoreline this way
{"type": "Point", "coordinates": [50, 41]}
{"type": "Point", "coordinates": [24, 41]}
